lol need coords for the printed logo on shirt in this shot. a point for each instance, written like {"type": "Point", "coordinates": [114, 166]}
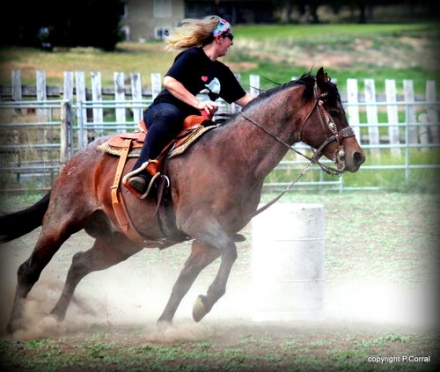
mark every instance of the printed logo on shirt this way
{"type": "Point", "coordinates": [212, 87]}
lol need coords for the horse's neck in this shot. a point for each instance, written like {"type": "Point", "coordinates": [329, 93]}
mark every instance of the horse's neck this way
{"type": "Point", "coordinates": [260, 150]}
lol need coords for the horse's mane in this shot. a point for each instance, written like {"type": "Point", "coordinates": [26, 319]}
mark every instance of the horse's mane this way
{"type": "Point", "coordinates": [307, 79]}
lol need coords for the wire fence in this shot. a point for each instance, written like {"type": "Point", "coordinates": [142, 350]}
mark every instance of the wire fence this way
{"type": "Point", "coordinates": [398, 131]}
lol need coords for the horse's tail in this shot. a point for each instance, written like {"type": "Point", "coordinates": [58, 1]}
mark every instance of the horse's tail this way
{"type": "Point", "coordinates": [17, 224]}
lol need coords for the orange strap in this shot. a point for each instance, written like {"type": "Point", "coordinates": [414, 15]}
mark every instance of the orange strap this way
{"type": "Point", "coordinates": [118, 202]}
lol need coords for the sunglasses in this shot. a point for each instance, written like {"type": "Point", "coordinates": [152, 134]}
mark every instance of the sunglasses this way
{"type": "Point", "coordinates": [228, 35]}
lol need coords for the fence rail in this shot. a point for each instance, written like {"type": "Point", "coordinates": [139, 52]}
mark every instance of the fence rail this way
{"type": "Point", "coordinates": [43, 126]}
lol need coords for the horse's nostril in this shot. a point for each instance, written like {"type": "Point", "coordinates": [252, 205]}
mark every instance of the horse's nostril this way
{"type": "Point", "coordinates": [358, 158]}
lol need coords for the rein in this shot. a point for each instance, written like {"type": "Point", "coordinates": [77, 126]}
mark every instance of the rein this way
{"type": "Point", "coordinates": [336, 136]}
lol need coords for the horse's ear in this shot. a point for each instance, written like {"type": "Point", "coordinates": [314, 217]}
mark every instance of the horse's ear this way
{"type": "Point", "coordinates": [321, 78]}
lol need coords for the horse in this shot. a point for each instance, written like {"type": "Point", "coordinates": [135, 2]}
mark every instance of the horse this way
{"type": "Point", "coordinates": [214, 191]}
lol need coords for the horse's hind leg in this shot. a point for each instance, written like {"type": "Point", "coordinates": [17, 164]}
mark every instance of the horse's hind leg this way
{"type": "Point", "coordinates": [201, 256]}
{"type": "Point", "coordinates": [29, 271]}
{"type": "Point", "coordinates": [105, 252]}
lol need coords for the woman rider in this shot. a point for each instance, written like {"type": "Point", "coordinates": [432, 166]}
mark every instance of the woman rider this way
{"type": "Point", "coordinates": [195, 70]}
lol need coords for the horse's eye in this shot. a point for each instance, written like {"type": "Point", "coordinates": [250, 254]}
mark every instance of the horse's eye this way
{"type": "Point", "coordinates": [334, 113]}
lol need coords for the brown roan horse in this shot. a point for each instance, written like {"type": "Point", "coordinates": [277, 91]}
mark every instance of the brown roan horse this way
{"type": "Point", "coordinates": [215, 189]}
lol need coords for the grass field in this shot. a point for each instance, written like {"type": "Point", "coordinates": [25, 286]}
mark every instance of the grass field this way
{"type": "Point", "coordinates": [397, 179]}
{"type": "Point", "coordinates": [348, 51]}
{"type": "Point", "coordinates": [276, 53]}
{"type": "Point", "coordinates": [381, 300]}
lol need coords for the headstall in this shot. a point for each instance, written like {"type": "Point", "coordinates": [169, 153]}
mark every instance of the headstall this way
{"type": "Point", "coordinates": [336, 135]}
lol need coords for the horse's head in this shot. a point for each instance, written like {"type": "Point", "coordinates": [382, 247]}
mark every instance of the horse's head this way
{"type": "Point", "coordinates": [326, 129]}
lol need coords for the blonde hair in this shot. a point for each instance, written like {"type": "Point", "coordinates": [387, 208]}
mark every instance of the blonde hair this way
{"type": "Point", "coordinates": [192, 33]}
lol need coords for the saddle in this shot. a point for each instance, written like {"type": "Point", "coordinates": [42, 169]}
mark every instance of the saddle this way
{"type": "Point", "coordinates": [194, 126]}
{"type": "Point", "coordinates": [129, 145]}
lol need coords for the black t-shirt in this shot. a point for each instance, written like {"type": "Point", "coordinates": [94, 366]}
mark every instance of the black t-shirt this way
{"type": "Point", "coordinates": [199, 74]}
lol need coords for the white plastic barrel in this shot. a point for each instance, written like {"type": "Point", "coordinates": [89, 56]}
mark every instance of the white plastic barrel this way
{"type": "Point", "coordinates": [288, 262]}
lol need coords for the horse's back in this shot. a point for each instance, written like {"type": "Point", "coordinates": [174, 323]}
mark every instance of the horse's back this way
{"type": "Point", "coordinates": [85, 169]}
{"type": "Point", "coordinates": [76, 189]}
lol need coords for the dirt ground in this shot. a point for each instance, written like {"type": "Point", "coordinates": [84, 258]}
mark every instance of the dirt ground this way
{"type": "Point", "coordinates": [379, 301]}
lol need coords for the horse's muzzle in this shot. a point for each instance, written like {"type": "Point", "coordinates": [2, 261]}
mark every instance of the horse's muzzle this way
{"type": "Point", "coordinates": [353, 160]}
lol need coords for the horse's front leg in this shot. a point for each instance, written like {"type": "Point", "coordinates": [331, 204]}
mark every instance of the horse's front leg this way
{"type": "Point", "coordinates": [228, 253]}
{"type": "Point", "coordinates": [200, 257]}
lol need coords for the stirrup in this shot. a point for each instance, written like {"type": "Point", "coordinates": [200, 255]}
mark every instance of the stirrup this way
{"type": "Point", "coordinates": [150, 186]}
{"type": "Point", "coordinates": [134, 172]}
{"type": "Point", "coordinates": [143, 167]}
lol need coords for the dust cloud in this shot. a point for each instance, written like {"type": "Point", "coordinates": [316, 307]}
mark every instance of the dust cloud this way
{"type": "Point", "coordinates": [132, 293]}
{"type": "Point", "coordinates": [135, 292]}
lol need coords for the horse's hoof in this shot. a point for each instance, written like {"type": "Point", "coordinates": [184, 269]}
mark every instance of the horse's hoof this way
{"type": "Point", "coordinates": [199, 310]}
{"type": "Point", "coordinates": [57, 315]}
{"type": "Point", "coordinates": [238, 238]}
{"type": "Point", "coordinates": [10, 329]}
{"type": "Point", "coordinates": [13, 326]}
{"type": "Point", "coordinates": [163, 325]}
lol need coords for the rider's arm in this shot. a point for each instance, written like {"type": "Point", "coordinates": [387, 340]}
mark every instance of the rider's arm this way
{"type": "Point", "coordinates": [178, 90]}
{"type": "Point", "coordinates": [243, 101]}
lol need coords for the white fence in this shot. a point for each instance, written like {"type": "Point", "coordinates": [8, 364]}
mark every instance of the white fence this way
{"type": "Point", "coordinates": [66, 118]}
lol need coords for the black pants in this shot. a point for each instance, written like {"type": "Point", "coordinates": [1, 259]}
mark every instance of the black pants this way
{"type": "Point", "coordinates": [164, 121]}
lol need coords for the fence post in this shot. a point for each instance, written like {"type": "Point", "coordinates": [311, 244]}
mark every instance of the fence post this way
{"type": "Point", "coordinates": [66, 138]}
{"type": "Point", "coordinates": [156, 84]}
{"type": "Point", "coordinates": [120, 97]}
{"type": "Point", "coordinates": [16, 85]}
{"type": "Point", "coordinates": [432, 111]}
{"type": "Point", "coordinates": [42, 113]}
{"type": "Point", "coordinates": [136, 95]}
{"type": "Point", "coordinates": [68, 86]}
{"type": "Point", "coordinates": [410, 112]}
{"type": "Point", "coordinates": [353, 110]}
{"type": "Point", "coordinates": [393, 119]}
{"type": "Point", "coordinates": [97, 97]}
{"type": "Point", "coordinates": [82, 112]}
{"type": "Point", "coordinates": [68, 91]}
{"type": "Point", "coordinates": [254, 82]}
{"type": "Point", "coordinates": [41, 91]}
{"type": "Point", "coordinates": [16, 96]}
{"type": "Point", "coordinates": [373, 130]}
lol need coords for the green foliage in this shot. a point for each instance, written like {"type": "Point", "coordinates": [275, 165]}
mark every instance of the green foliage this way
{"type": "Point", "coordinates": [370, 175]}
{"type": "Point", "coordinates": [284, 46]}
{"type": "Point", "coordinates": [309, 350]}
{"type": "Point", "coordinates": [335, 33]}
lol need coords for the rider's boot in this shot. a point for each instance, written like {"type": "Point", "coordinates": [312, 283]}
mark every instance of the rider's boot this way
{"type": "Point", "coordinates": [141, 180]}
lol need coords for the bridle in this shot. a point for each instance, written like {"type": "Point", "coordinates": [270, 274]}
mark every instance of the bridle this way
{"type": "Point", "coordinates": [326, 122]}
{"type": "Point", "coordinates": [337, 136]}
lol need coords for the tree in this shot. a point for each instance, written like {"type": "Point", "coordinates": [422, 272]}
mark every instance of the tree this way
{"type": "Point", "coordinates": [71, 23]}
{"type": "Point", "coordinates": [305, 7]}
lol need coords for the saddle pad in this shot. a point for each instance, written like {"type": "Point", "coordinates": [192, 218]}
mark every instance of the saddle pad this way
{"type": "Point", "coordinates": [181, 146]}
{"type": "Point", "coordinates": [185, 138]}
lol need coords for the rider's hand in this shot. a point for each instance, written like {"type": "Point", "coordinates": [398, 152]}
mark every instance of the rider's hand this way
{"type": "Point", "coordinates": [207, 108]}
